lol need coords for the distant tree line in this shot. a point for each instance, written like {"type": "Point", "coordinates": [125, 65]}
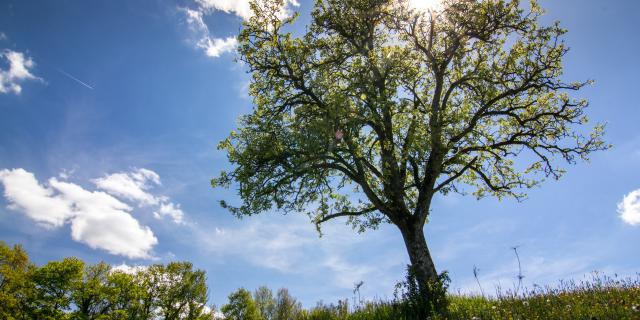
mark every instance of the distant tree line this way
{"type": "Point", "coordinates": [71, 289]}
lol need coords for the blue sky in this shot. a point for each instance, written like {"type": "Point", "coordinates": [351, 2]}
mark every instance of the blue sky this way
{"type": "Point", "coordinates": [110, 116]}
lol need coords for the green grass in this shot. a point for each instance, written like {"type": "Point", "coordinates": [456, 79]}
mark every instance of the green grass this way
{"type": "Point", "coordinates": [599, 298]}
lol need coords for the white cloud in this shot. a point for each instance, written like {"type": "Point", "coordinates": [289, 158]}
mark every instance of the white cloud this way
{"type": "Point", "coordinates": [104, 222]}
{"type": "Point", "coordinates": [424, 5]}
{"type": "Point", "coordinates": [290, 245]}
{"type": "Point", "coordinates": [39, 203]}
{"type": "Point", "coordinates": [240, 8]}
{"type": "Point", "coordinates": [134, 186]}
{"type": "Point", "coordinates": [19, 71]}
{"type": "Point", "coordinates": [266, 244]}
{"type": "Point", "coordinates": [213, 47]}
{"type": "Point", "coordinates": [96, 218]}
{"type": "Point", "coordinates": [131, 185]}
{"type": "Point", "coordinates": [537, 270]}
{"type": "Point", "coordinates": [629, 208]}
{"type": "Point", "coordinates": [216, 46]}
{"type": "Point", "coordinates": [125, 268]}
{"type": "Point", "coordinates": [346, 274]}
{"type": "Point", "coordinates": [171, 210]}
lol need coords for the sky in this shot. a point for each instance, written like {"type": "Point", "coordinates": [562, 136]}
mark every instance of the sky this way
{"type": "Point", "coordinates": [110, 113]}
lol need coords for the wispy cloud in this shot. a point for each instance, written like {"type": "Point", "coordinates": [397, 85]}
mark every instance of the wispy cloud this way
{"type": "Point", "coordinates": [213, 47]}
{"type": "Point", "coordinates": [19, 70]}
{"type": "Point", "coordinates": [538, 270]}
{"type": "Point", "coordinates": [202, 37]}
{"type": "Point", "coordinates": [629, 208]}
{"type": "Point", "coordinates": [74, 79]}
{"type": "Point", "coordinates": [291, 245]}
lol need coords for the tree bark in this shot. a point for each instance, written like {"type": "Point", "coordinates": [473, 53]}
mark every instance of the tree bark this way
{"type": "Point", "coordinates": [419, 254]}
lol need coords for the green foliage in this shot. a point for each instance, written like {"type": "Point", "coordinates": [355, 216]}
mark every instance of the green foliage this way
{"type": "Point", "coordinates": [180, 292]}
{"type": "Point", "coordinates": [287, 307]}
{"type": "Point", "coordinates": [265, 303]}
{"type": "Point", "coordinates": [420, 301]}
{"type": "Point", "coordinates": [54, 286]}
{"type": "Point", "coordinates": [68, 289]}
{"type": "Point", "coordinates": [600, 297]}
{"type": "Point", "coordinates": [14, 281]}
{"type": "Point", "coordinates": [93, 297]}
{"type": "Point", "coordinates": [376, 108]}
{"type": "Point", "coordinates": [241, 306]}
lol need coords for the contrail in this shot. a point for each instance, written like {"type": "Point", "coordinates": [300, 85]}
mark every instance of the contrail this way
{"type": "Point", "coordinates": [75, 79]}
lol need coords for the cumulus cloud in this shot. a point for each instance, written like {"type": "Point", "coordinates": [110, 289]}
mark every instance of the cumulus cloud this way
{"type": "Point", "coordinates": [170, 210]}
{"type": "Point", "coordinates": [125, 268]}
{"type": "Point", "coordinates": [19, 70]}
{"type": "Point", "coordinates": [135, 186]}
{"type": "Point", "coordinates": [216, 47]}
{"type": "Point", "coordinates": [202, 37]}
{"type": "Point", "coordinates": [240, 8]}
{"type": "Point", "coordinates": [97, 218]}
{"type": "Point", "coordinates": [104, 222]}
{"type": "Point", "coordinates": [39, 203]}
{"type": "Point", "coordinates": [131, 185]}
{"type": "Point", "coordinates": [629, 208]}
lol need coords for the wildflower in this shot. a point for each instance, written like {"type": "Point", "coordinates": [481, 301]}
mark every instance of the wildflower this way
{"type": "Point", "coordinates": [526, 303]}
{"type": "Point", "coordinates": [475, 318]}
{"type": "Point", "coordinates": [493, 307]}
{"type": "Point", "coordinates": [635, 308]}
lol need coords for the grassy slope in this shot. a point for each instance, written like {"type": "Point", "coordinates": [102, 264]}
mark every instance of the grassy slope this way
{"type": "Point", "coordinates": [599, 298]}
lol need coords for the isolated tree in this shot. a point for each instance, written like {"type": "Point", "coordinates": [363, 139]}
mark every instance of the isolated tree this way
{"type": "Point", "coordinates": [376, 108]}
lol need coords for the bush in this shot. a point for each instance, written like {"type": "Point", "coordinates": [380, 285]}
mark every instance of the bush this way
{"type": "Point", "coordinates": [424, 301]}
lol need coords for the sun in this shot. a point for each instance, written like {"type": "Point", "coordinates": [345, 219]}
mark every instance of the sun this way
{"type": "Point", "coordinates": [425, 4]}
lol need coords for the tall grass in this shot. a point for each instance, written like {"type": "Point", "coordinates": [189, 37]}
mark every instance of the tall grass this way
{"type": "Point", "coordinates": [598, 297]}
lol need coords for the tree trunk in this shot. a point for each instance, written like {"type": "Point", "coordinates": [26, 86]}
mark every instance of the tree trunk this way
{"type": "Point", "coordinates": [419, 255]}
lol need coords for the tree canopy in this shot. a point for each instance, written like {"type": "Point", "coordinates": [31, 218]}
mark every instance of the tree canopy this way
{"type": "Point", "coordinates": [377, 107]}
{"type": "Point", "coordinates": [69, 289]}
